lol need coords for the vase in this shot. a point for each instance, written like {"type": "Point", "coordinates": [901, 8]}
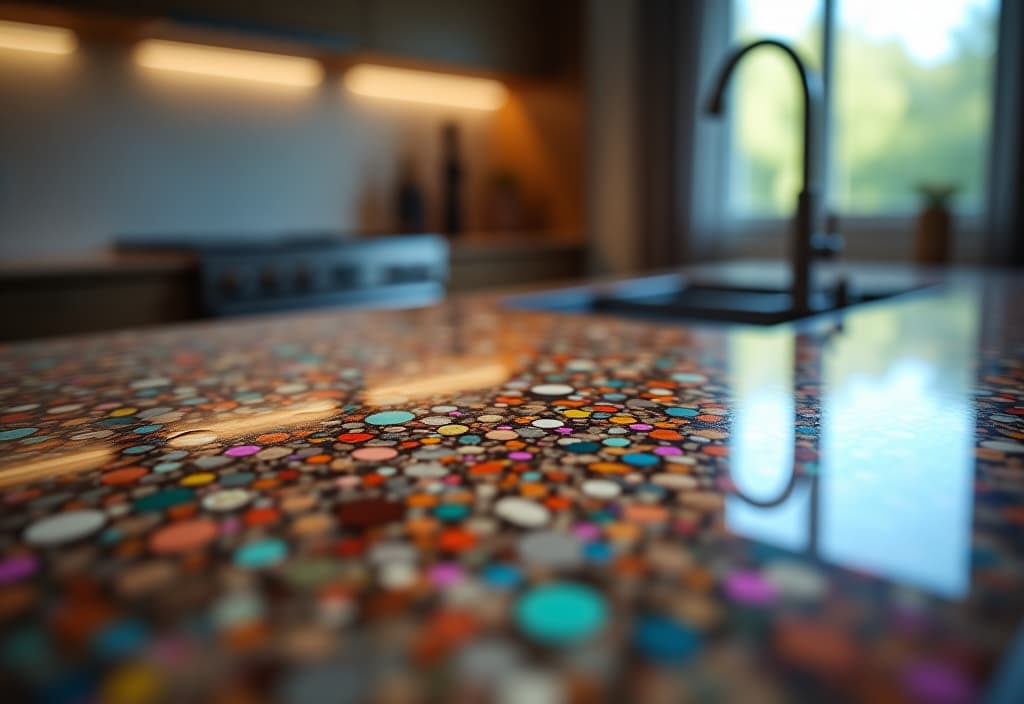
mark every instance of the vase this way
{"type": "Point", "coordinates": [933, 235]}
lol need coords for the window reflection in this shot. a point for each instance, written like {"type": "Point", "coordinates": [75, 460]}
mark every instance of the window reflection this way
{"type": "Point", "coordinates": [897, 469]}
{"type": "Point", "coordinates": [892, 491]}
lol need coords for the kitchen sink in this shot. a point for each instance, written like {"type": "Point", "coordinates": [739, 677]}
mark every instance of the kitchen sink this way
{"type": "Point", "coordinates": [675, 297]}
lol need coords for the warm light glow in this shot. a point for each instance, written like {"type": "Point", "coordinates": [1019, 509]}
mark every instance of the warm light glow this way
{"type": "Point", "coordinates": [228, 63]}
{"type": "Point", "coordinates": [426, 87]}
{"type": "Point", "coordinates": [55, 465]}
{"type": "Point", "coordinates": [471, 377]}
{"type": "Point", "coordinates": [36, 37]}
{"type": "Point", "coordinates": [229, 426]}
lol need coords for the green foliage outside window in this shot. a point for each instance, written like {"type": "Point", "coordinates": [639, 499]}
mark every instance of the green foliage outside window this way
{"type": "Point", "coordinates": [898, 122]}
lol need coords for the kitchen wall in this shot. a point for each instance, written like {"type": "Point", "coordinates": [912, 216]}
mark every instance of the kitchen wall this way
{"type": "Point", "coordinates": [95, 146]}
{"type": "Point", "coordinates": [883, 241]}
{"type": "Point", "coordinates": [612, 204]}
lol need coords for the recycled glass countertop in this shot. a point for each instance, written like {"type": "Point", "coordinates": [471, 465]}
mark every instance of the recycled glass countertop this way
{"type": "Point", "coordinates": [469, 503]}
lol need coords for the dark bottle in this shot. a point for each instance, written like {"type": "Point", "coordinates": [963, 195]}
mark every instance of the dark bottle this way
{"type": "Point", "coordinates": [451, 177]}
{"type": "Point", "coordinates": [409, 201]}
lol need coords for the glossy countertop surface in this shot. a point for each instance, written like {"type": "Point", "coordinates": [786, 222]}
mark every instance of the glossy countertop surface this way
{"type": "Point", "coordinates": [470, 503]}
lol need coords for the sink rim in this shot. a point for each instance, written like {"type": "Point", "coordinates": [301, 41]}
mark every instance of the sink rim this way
{"type": "Point", "coordinates": [628, 294]}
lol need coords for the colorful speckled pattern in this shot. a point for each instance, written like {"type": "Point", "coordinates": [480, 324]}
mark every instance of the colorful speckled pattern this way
{"type": "Point", "coordinates": [469, 504]}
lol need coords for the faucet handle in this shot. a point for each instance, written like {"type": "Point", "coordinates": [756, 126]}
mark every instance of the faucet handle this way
{"type": "Point", "coordinates": [828, 244]}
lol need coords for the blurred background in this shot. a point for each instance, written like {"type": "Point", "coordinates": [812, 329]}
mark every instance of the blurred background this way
{"type": "Point", "coordinates": [168, 160]}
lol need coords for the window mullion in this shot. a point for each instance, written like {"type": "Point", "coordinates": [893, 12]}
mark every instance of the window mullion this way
{"type": "Point", "coordinates": [826, 143]}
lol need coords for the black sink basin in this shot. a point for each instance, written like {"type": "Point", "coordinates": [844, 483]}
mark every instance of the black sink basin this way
{"type": "Point", "coordinates": [674, 298]}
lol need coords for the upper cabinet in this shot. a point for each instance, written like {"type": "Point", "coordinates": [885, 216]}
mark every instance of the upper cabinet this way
{"type": "Point", "coordinates": [533, 38]}
{"type": "Point", "coordinates": [529, 37]}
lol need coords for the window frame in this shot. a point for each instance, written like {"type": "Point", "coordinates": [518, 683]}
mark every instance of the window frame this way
{"type": "Point", "coordinates": [748, 228]}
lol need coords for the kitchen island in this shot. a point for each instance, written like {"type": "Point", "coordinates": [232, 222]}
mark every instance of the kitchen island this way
{"type": "Point", "coordinates": [473, 503]}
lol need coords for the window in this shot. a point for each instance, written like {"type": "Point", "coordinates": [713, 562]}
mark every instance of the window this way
{"type": "Point", "coordinates": [910, 94]}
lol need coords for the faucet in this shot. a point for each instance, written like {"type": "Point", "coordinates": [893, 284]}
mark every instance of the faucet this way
{"type": "Point", "coordinates": [805, 223]}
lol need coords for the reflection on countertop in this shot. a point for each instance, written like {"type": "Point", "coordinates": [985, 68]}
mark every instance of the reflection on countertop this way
{"type": "Point", "coordinates": [466, 501]}
{"type": "Point", "coordinates": [890, 419]}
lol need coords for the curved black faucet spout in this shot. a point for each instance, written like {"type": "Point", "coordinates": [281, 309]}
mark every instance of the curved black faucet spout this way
{"type": "Point", "coordinates": [806, 213]}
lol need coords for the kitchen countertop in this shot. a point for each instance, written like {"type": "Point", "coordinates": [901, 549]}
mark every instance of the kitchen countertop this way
{"type": "Point", "coordinates": [136, 261]}
{"type": "Point", "coordinates": [472, 503]}
{"type": "Point", "coordinates": [112, 290]}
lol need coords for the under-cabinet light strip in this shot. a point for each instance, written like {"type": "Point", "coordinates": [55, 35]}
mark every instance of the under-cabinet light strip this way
{"type": "Point", "coordinates": [425, 87]}
{"type": "Point", "coordinates": [38, 38]}
{"type": "Point", "coordinates": [238, 64]}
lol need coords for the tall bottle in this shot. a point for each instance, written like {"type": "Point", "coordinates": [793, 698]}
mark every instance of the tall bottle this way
{"type": "Point", "coordinates": [451, 178]}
